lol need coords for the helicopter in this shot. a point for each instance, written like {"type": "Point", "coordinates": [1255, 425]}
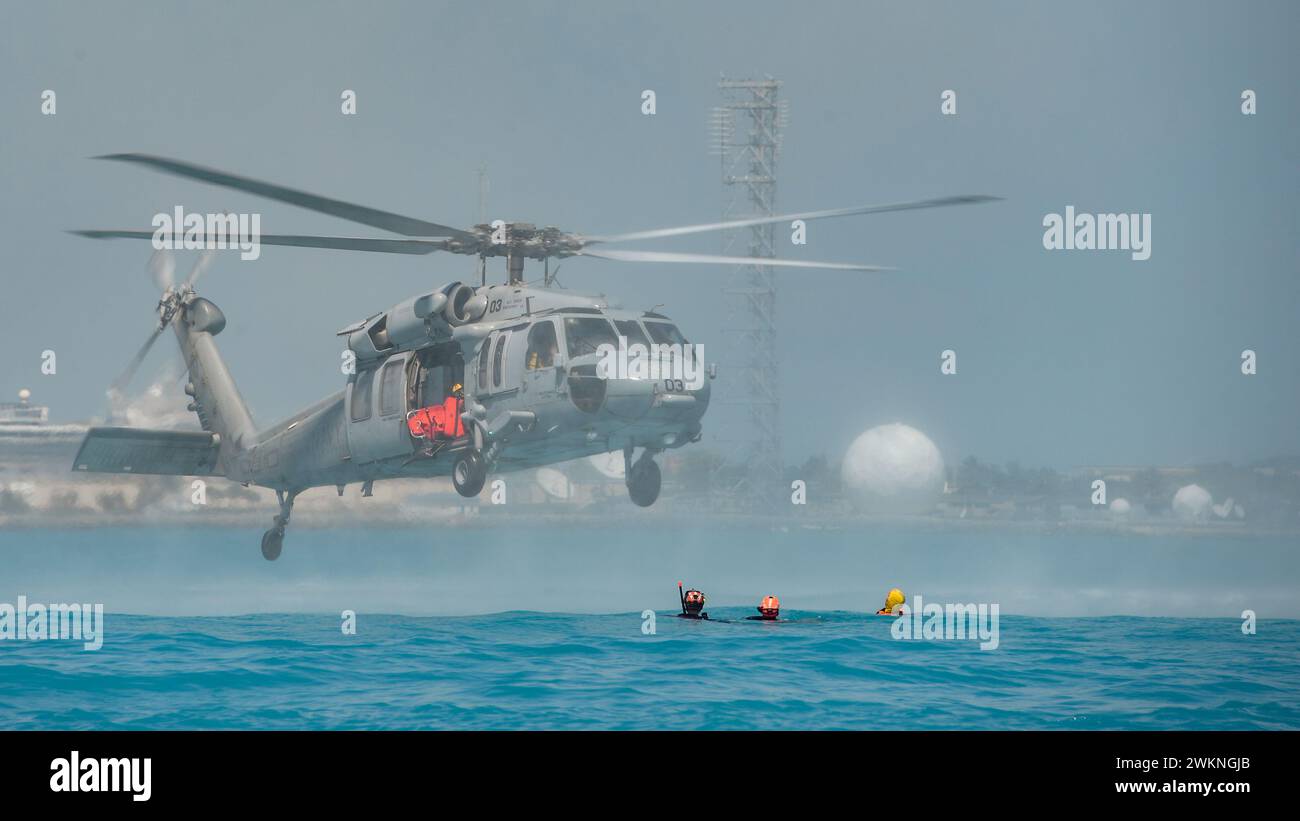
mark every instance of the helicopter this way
{"type": "Point", "coordinates": [520, 365]}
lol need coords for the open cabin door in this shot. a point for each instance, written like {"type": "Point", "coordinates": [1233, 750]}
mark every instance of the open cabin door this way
{"type": "Point", "coordinates": [379, 399]}
{"type": "Point", "coordinates": [432, 373]}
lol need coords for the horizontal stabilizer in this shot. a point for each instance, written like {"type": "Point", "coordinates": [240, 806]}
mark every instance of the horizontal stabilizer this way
{"type": "Point", "coordinates": [141, 450]}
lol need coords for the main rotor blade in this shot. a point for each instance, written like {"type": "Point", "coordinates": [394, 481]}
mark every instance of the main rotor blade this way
{"type": "Point", "coordinates": [388, 221]}
{"type": "Point", "coordinates": [669, 256]}
{"type": "Point", "coordinates": [657, 233]}
{"type": "Point", "coordinates": [388, 246]}
{"type": "Point", "coordinates": [200, 267]}
{"type": "Point", "coordinates": [128, 374]}
{"type": "Point", "coordinates": [162, 265]}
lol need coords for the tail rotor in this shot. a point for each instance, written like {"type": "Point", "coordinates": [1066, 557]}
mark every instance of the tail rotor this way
{"type": "Point", "coordinates": [162, 267]}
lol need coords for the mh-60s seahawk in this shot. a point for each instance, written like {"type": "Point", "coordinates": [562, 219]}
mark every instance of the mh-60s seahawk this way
{"type": "Point", "coordinates": [526, 356]}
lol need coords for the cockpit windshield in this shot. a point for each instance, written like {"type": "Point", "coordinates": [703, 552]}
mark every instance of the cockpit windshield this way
{"type": "Point", "coordinates": [585, 335]}
{"type": "Point", "coordinates": [630, 329]}
{"type": "Point", "coordinates": [665, 333]}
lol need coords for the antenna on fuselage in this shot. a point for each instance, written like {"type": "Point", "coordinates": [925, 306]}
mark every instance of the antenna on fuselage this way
{"type": "Point", "coordinates": [482, 217]}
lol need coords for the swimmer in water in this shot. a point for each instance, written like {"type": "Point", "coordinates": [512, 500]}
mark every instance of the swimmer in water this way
{"type": "Point", "coordinates": [769, 609]}
{"type": "Point", "coordinates": [692, 604]}
{"type": "Point", "coordinates": [893, 600]}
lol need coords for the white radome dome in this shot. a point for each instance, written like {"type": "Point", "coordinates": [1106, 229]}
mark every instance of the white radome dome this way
{"type": "Point", "coordinates": [555, 483]}
{"type": "Point", "coordinates": [609, 464]}
{"type": "Point", "coordinates": [893, 469]}
{"type": "Point", "coordinates": [1121, 507]}
{"type": "Point", "coordinates": [1192, 503]}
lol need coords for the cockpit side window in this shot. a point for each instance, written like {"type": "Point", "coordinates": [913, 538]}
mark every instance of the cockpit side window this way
{"type": "Point", "coordinates": [543, 348]}
{"type": "Point", "coordinates": [585, 335]}
{"type": "Point", "coordinates": [665, 333]}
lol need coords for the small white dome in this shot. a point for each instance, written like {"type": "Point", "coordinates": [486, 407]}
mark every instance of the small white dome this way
{"type": "Point", "coordinates": [893, 469]}
{"type": "Point", "coordinates": [1192, 503]}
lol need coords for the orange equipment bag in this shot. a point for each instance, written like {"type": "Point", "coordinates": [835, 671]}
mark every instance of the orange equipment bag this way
{"type": "Point", "coordinates": [437, 420]}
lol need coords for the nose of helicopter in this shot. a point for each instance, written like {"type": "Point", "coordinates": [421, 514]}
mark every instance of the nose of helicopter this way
{"type": "Point", "coordinates": [658, 400]}
{"type": "Point", "coordinates": [663, 398]}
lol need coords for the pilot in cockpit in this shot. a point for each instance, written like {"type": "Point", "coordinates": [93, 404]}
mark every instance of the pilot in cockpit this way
{"type": "Point", "coordinates": [542, 357]}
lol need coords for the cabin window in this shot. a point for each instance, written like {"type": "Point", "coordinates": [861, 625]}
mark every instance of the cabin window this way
{"type": "Point", "coordinates": [361, 396]}
{"type": "Point", "coordinates": [585, 335]}
{"type": "Point", "coordinates": [542, 346]}
{"type": "Point", "coordinates": [483, 365]}
{"type": "Point", "coordinates": [665, 333]}
{"type": "Point", "coordinates": [631, 330]}
{"type": "Point", "coordinates": [390, 391]}
{"type": "Point", "coordinates": [497, 356]}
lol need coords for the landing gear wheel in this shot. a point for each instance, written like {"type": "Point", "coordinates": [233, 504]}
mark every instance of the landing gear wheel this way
{"type": "Point", "coordinates": [643, 483]}
{"type": "Point", "coordinates": [272, 543]}
{"type": "Point", "coordinates": [469, 473]}
{"type": "Point", "coordinates": [273, 539]}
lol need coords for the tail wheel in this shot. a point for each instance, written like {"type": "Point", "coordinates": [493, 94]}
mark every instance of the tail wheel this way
{"type": "Point", "coordinates": [468, 473]}
{"type": "Point", "coordinates": [643, 483]}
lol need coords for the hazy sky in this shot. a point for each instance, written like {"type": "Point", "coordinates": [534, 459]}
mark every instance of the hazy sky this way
{"type": "Point", "coordinates": [1064, 357]}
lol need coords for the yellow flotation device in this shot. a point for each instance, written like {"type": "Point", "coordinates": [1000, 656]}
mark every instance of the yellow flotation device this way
{"type": "Point", "coordinates": [894, 598]}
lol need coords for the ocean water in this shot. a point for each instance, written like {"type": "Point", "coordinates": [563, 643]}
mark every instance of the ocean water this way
{"type": "Point", "coordinates": [525, 670]}
{"type": "Point", "coordinates": [500, 625]}
{"type": "Point", "coordinates": [634, 562]}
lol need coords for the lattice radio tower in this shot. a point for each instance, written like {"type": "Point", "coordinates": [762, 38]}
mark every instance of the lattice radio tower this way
{"type": "Point", "coordinates": [746, 134]}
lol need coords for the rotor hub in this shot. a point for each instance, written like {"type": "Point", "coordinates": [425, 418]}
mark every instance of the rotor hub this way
{"type": "Point", "coordinates": [519, 239]}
